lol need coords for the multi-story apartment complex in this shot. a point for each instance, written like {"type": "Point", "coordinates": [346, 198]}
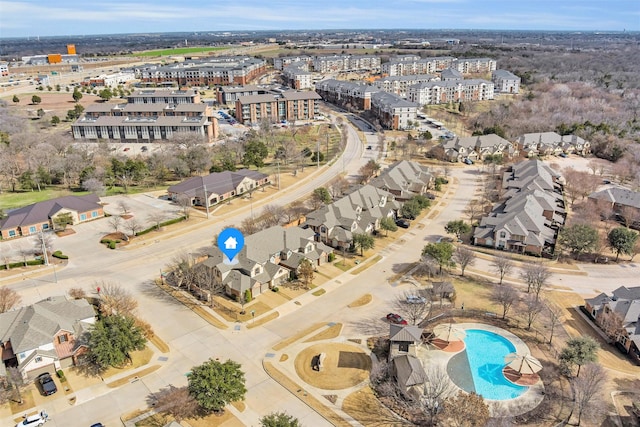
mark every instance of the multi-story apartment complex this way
{"type": "Point", "coordinates": [409, 65]}
{"type": "Point", "coordinates": [474, 65]}
{"type": "Point", "coordinates": [145, 120]}
{"type": "Point", "coordinates": [450, 91]}
{"type": "Point", "coordinates": [228, 95]}
{"type": "Point", "coordinates": [338, 63]}
{"type": "Point", "coordinates": [281, 63]}
{"type": "Point", "coordinates": [288, 105]}
{"type": "Point", "coordinates": [399, 84]}
{"type": "Point", "coordinates": [392, 111]}
{"type": "Point", "coordinates": [297, 78]}
{"type": "Point", "coordinates": [505, 81]}
{"type": "Point", "coordinates": [210, 71]}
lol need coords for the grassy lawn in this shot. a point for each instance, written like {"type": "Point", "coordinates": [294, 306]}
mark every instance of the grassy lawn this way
{"type": "Point", "coordinates": [363, 300]}
{"type": "Point", "coordinates": [331, 332]}
{"type": "Point", "coordinates": [363, 406]}
{"type": "Point", "coordinates": [179, 51]}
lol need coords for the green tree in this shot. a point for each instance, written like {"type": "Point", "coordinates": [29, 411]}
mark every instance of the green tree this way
{"type": "Point", "coordinates": [388, 224]}
{"type": "Point", "coordinates": [320, 196]}
{"type": "Point", "coordinates": [26, 180]}
{"type": "Point", "coordinates": [441, 252]}
{"type": "Point", "coordinates": [317, 156]}
{"type": "Point", "coordinates": [254, 153]}
{"type": "Point", "coordinates": [112, 340]}
{"type": "Point", "coordinates": [305, 271]}
{"type": "Point", "coordinates": [363, 241]}
{"type": "Point", "coordinates": [426, 135]}
{"type": "Point", "coordinates": [622, 240]}
{"type": "Point", "coordinates": [410, 209]}
{"type": "Point", "coordinates": [214, 385]}
{"type": "Point", "coordinates": [35, 99]}
{"type": "Point", "coordinates": [105, 94]}
{"type": "Point", "coordinates": [16, 99]}
{"type": "Point", "coordinates": [77, 95]}
{"type": "Point", "coordinates": [457, 227]}
{"type": "Point", "coordinates": [579, 351]}
{"type": "Point", "coordinates": [55, 120]}
{"type": "Point", "coordinates": [579, 239]}
{"type": "Point", "coordinates": [61, 221]}
{"type": "Point", "coordinates": [279, 419]}
{"type": "Point", "coordinates": [40, 113]}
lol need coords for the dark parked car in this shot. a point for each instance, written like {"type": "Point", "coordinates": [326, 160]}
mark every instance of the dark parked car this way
{"type": "Point", "coordinates": [430, 196]}
{"type": "Point", "coordinates": [403, 223]}
{"type": "Point", "coordinates": [47, 385]}
{"type": "Point", "coordinates": [97, 425]}
{"type": "Point", "coordinates": [396, 318]}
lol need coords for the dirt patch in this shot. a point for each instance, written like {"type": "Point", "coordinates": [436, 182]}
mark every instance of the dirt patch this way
{"type": "Point", "coordinates": [284, 357]}
{"type": "Point", "coordinates": [318, 292]}
{"type": "Point", "coordinates": [65, 232]}
{"type": "Point", "coordinates": [28, 402]}
{"type": "Point", "coordinates": [331, 332]}
{"type": "Point", "coordinates": [344, 366]}
{"type": "Point", "coordinates": [365, 408]}
{"type": "Point", "coordinates": [363, 300]}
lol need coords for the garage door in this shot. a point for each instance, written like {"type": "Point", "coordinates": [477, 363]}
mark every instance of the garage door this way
{"type": "Point", "coordinates": [49, 368]}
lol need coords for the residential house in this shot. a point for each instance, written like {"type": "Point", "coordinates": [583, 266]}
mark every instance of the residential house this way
{"type": "Point", "coordinates": [530, 214]}
{"type": "Point", "coordinates": [477, 147]}
{"type": "Point", "coordinates": [359, 212]}
{"type": "Point", "coordinates": [268, 258]}
{"type": "Point", "coordinates": [505, 81]}
{"type": "Point", "coordinates": [40, 216]}
{"type": "Point", "coordinates": [618, 316]}
{"type": "Point", "coordinates": [290, 105]}
{"type": "Point", "coordinates": [551, 143]}
{"type": "Point", "coordinates": [46, 336]}
{"type": "Point", "coordinates": [404, 179]}
{"type": "Point", "coordinates": [216, 187]}
{"type": "Point", "coordinates": [407, 368]}
{"type": "Point", "coordinates": [624, 203]}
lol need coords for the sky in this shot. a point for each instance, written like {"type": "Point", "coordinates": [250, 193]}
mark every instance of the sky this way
{"type": "Point", "coordinates": [29, 18]}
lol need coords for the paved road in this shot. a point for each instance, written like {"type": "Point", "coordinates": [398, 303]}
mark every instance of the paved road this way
{"type": "Point", "coordinates": [192, 341]}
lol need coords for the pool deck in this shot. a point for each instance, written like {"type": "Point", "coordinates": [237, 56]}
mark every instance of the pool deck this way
{"type": "Point", "coordinates": [433, 355]}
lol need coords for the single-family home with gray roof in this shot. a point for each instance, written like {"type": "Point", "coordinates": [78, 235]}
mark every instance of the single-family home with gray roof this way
{"type": "Point", "coordinates": [404, 179]}
{"type": "Point", "coordinates": [40, 216]}
{"type": "Point", "coordinates": [216, 187]}
{"type": "Point", "coordinates": [623, 202]}
{"type": "Point", "coordinates": [46, 336]}
{"type": "Point", "coordinates": [477, 147]}
{"type": "Point", "coordinates": [618, 315]}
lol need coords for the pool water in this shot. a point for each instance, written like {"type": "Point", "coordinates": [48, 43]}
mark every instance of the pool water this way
{"type": "Point", "coordinates": [485, 352]}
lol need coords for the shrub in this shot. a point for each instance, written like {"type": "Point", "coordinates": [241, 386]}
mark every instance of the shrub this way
{"type": "Point", "coordinates": [60, 255]}
{"type": "Point", "coordinates": [275, 289]}
{"type": "Point", "coordinates": [105, 241]}
{"type": "Point", "coordinates": [112, 244]}
{"type": "Point", "coordinates": [331, 257]}
{"type": "Point", "coordinates": [35, 262]}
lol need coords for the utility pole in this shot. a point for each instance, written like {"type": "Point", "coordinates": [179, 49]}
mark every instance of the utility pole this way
{"type": "Point", "coordinates": [318, 153]}
{"type": "Point", "coordinates": [278, 166]}
{"type": "Point", "coordinates": [206, 200]}
{"type": "Point", "coordinates": [327, 134]}
{"type": "Point", "coordinates": [44, 249]}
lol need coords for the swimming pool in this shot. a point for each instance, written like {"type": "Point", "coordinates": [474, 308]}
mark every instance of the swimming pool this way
{"type": "Point", "coordinates": [483, 360]}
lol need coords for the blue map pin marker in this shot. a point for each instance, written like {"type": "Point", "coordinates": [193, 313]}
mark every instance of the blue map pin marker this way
{"type": "Point", "coordinates": [230, 242]}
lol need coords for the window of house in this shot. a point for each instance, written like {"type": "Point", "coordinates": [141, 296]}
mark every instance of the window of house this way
{"type": "Point", "coordinates": [62, 338]}
{"type": "Point", "coordinates": [83, 217]}
{"type": "Point", "coordinates": [45, 226]}
{"type": "Point", "coordinates": [12, 233]}
{"type": "Point", "coordinates": [503, 234]}
{"type": "Point", "coordinates": [38, 359]}
{"type": "Point", "coordinates": [94, 214]}
{"type": "Point", "coordinates": [403, 346]}
{"type": "Point", "coordinates": [32, 229]}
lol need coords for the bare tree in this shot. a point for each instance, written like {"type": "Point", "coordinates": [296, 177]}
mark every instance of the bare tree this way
{"type": "Point", "coordinates": [94, 185]}
{"type": "Point", "coordinates": [272, 215]}
{"type": "Point", "coordinates": [250, 226]}
{"type": "Point", "coordinates": [338, 186]}
{"type": "Point", "coordinates": [25, 252]}
{"type": "Point", "coordinates": [8, 299]}
{"type": "Point", "coordinates": [554, 318]}
{"type": "Point", "coordinates": [531, 309]}
{"type": "Point", "coordinates": [114, 299]}
{"type": "Point", "coordinates": [474, 207]}
{"type": "Point", "coordinates": [157, 218]}
{"type": "Point", "coordinates": [176, 402]}
{"type": "Point", "coordinates": [16, 383]}
{"type": "Point", "coordinates": [505, 296]}
{"type": "Point", "coordinates": [413, 307]}
{"type": "Point", "coordinates": [465, 257]}
{"type": "Point", "coordinates": [436, 389]}
{"type": "Point", "coordinates": [294, 211]}
{"type": "Point", "coordinates": [115, 222]}
{"type": "Point", "coordinates": [124, 207]}
{"type": "Point", "coordinates": [535, 275]}
{"type": "Point", "coordinates": [502, 265]}
{"type": "Point", "coordinates": [587, 389]}
{"type": "Point", "coordinates": [133, 226]}
{"type": "Point", "coordinates": [184, 202]}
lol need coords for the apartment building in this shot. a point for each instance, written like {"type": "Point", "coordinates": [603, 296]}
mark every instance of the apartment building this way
{"type": "Point", "coordinates": [297, 78]}
{"type": "Point", "coordinates": [409, 65]}
{"type": "Point", "coordinates": [474, 65]}
{"type": "Point", "coordinates": [228, 95]}
{"type": "Point", "coordinates": [399, 84]}
{"type": "Point", "coordinates": [207, 72]}
{"type": "Point", "coordinates": [288, 105]}
{"type": "Point", "coordinates": [285, 61]}
{"type": "Point", "coordinates": [431, 93]}
{"type": "Point", "coordinates": [340, 63]}
{"type": "Point", "coordinates": [150, 115]}
{"type": "Point", "coordinates": [392, 111]}
{"type": "Point", "coordinates": [505, 81]}
{"type": "Point", "coordinates": [344, 93]}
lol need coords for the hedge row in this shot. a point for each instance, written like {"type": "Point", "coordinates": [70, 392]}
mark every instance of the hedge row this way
{"type": "Point", "coordinates": [21, 264]}
{"type": "Point", "coordinates": [60, 255]}
{"type": "Point", "coordinates": [111, 244]}
{"type": "Point", "coordinates": [162, 224]}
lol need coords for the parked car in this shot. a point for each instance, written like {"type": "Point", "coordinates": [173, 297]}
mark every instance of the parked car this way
{"type": "Point", "coordinates": [396, 318]}
{"type": "Point", "coordinates": [402, 223]}
{"type": "Point", "coordinates": [144, 148]}
{"type": "Point", "coordinates": [416, 299]}
{"type": "Point", "coordinates": [34, 420]}
{"type": "Point", "coordinates": [444, 239]}
{"type": "Point", "coordinates": [563, 155]}
{"type": "Point", "coordinates": [468, 161]}
{"type": "Point", "coordinates": [97, 425]}
{"type": "Point", "coordinates": [430, 196]}
{"type": "Point", "coordinates": [126, 149]}
{"type": "Point", "coordinates": [47, 385]}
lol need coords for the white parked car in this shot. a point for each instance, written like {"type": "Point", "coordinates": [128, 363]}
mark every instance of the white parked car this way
{"type": "Point", "coordinates": [34, 420]}
{"type": "Point", "coordinates": [415, 299]}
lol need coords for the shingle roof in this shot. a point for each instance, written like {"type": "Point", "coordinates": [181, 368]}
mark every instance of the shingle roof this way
{"type": "Point", "coordinates": [621, 196]}
{"type": "Point", "coordinates": [405, 333]}
{"type": "Point", "coordinates": [35, 325]}
{"type": "Point", "coordinates": [409, 370]}
{"type": "Point", "coordinates": [216, 183]}
{"type": "Point", "coordinates": [41, 212]}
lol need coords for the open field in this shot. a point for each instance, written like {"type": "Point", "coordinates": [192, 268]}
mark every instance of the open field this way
{"type": "Point", "coordinates": [180, 51]}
